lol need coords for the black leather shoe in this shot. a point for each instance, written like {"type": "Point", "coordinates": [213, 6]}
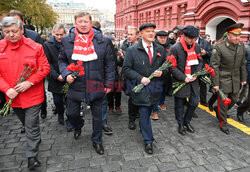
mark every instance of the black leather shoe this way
{"type": "Point", "coordinates": [77, 133]}
{"type": "Point", "coordinates": [195, 115]}
{"type": "Point", "coordinates": [107, 130]}
{"type": "Point", "coordinates": [210, 106]}
{"type": "Point", "coordinates": [182, 130]}
{"type": "Point", "coordinates": [149, 148]}
{"type": "Point", "coordinates": [98, 148]}
{"type": "Point", "coordinates": [131, 125]}
{"type": "Point", "coordinates": [240, 117]}
{"type": "Point", "coordinates": [33, 163]}
{"type": "Point", "coordinates": [23, 129]}
{"type": "Point", "coordinates": [43, 114]}
{"type": "Point", "coordinates": [204, 104]}
{"type": "Point", "coordinates": [226, 131]}
{"type": "Point", "coordinates": [189, 128]}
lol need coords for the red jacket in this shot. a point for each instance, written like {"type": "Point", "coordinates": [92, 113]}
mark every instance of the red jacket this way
{"type": "Point", "coordinates": [12, 59]}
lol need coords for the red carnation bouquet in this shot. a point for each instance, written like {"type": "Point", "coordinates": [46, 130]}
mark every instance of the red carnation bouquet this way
{"type": "Point", "coordinates": [206, 70]}
{"type": "Point", "coordinates": [77, 70]}
{"type": "Point", "coordinates": [170, 62]}
{"type": "Point", "coordinates": [29, 69]}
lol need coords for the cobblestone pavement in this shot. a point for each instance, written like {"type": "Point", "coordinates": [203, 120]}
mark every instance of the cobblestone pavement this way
{"type": "Point", "coordinates": [206, 150]}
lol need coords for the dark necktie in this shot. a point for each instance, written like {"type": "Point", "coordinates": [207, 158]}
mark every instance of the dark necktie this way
{"type": "Point", "coordinates": [150, 57]}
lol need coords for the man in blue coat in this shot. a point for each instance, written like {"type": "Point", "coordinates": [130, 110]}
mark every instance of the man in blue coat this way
{"type": "Point", "coordinates": [140, 61]}
{"type": "Point", "coordinates": [94, 50]}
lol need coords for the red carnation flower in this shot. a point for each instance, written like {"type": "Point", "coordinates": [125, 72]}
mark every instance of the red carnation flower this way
{"type": "Point", "coordinates": [71, 67]}
{"type": "Point", "coordinates": [81, 68]}
{"type": "Point", "coordinates": [79, 63]}
{"type": "Point", "coordinates": [81, 73]}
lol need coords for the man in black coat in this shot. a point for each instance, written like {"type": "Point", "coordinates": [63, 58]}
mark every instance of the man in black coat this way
{"type": "Point", "coordinates": [140, 61]}
{"type": "Point", "coordinates": [82, 44]}
{"type": "Point", "coordinates": [56, 81]}
{"type": "Point", "coordinates": [132, 39]}
{"type": "Point", "coordinates": [206, 52]}
{"type": "Point", "coordinates": [188, 62]}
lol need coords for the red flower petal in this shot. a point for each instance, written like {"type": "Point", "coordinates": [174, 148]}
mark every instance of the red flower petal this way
{"type": "Point", "coordinates": [81, 73]}
{"type": "Point", "coordinates": [79, 62]}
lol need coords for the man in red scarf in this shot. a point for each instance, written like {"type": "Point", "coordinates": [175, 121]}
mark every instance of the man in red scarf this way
{"type": "Point", "coordinates": [94, 50]}
{"type": "Point", "coordinates": [186, 53]}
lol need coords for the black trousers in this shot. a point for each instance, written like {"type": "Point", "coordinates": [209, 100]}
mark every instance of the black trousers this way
{"type": "Point", "coordinates": [73, 114]}
{"type": "Point", "coordinates": [114, 98]}
{"type": "Point", "coordinates": [2, 99]}
{"type": "Point", "coordinates": [132, 110]}
{"type": "Point", "coordinates": [203, 91]}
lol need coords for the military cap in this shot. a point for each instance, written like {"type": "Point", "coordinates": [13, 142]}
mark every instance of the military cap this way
{"type": "Point", "coordinates": [161, 33]}
{"type": "Point", "coordinates": [191, 31]}
{"type": "Point", "coordinates": [235, 28]}
{"type": "Point", "coordinates": [145, 25]}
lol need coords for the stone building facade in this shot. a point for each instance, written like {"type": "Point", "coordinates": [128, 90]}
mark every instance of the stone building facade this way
{"type": "Point", "coordinates": [212, 16]}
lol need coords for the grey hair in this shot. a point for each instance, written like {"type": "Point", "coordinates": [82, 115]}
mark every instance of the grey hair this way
{"type": "Point", "coordinates": [9, 21]}
{"type": "Point", "coordinates": [59, 26]}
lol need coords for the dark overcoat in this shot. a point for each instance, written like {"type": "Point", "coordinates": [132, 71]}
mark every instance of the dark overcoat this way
{"type": "Point", "coordinates": [99, 73]}
{"type": "Point", "coordinates": [136, 65]}
{"type": "Point", "coordinates": [178, 73]}
{"type": "Point", "coordinates": [52, 51]}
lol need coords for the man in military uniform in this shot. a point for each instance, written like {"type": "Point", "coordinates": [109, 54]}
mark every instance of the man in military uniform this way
{"type": "Point", "coordinates": [228, 61]}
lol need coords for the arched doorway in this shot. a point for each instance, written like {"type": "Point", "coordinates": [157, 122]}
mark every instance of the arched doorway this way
{"type": "Point", "coordinates": [216, 27]}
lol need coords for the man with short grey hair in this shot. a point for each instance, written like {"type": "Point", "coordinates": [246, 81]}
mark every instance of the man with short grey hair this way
{"type": "Point", "coordinates": [56, 81]}
{"type": "Point", "coordinates": [27, 96]}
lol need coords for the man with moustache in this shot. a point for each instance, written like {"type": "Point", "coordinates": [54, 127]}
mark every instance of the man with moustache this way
{"type": "Point", "coordinates": [140, 61]}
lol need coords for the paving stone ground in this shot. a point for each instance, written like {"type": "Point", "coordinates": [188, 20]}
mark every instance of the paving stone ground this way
{"type": "Point", "coordinates": [206, 150]}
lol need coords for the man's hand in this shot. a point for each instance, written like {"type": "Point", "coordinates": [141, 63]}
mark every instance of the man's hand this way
{"type": "Point", "coordinates": [193, 79]}
{"type": "Point", "coordinates": [145, 81]}
{"type": "Point", "coordinates": [70, 79]}
{"type": "Point", "coordinates": [23, 86]}
{"type": "Point", "coordinates": [157, 73]}
{"type": "Point", "coordinates": [187, 80]}
{"type": "Point", "coordinates": [107, 90]}
{"type": "Point", "coordinates": [60, 78]}
{"type": "Point", "coordinates": [120, 53]}
{"type": "Point", "coordinates": [11, 93]}
{"type": "Point", "coordinates": [243, 83]}
{"type": "Point", "coordinates": [203, 52]}
{"type": "Point", "coordinates": [216, 88]}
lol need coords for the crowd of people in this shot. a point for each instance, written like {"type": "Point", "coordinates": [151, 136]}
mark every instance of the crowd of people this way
{"type": "Point", "coordinates": [112, 67]}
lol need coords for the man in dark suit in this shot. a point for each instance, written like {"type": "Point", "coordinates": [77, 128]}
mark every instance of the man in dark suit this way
{"type": "Point", "coordinates": [140, 61]}
{"type": "Point", "coordinates": [188, 62]}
